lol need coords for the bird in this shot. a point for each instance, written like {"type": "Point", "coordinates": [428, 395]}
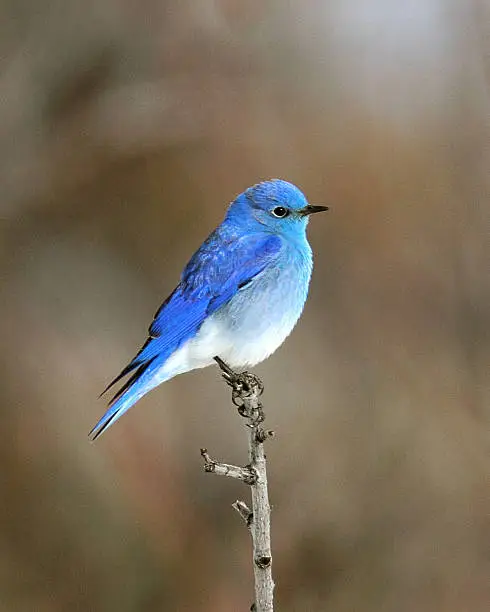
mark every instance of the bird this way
{"type": "Point", "coordinates": [239, 296]}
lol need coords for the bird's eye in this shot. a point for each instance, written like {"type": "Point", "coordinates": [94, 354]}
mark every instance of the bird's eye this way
{"type": "Point", "coordinates": [280, 211]}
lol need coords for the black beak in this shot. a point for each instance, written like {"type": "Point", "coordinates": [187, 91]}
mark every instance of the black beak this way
{"type": "Point", "coordinates": [311, 208]}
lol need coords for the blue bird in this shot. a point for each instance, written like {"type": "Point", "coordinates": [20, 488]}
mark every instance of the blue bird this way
{"type": "Point", "coordinates": [238, 298]}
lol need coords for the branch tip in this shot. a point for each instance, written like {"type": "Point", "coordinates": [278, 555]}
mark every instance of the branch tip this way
{"type": "Point", "coordinates": [264, 434]}
{"type": "Point", "coordinates": [244, 511]}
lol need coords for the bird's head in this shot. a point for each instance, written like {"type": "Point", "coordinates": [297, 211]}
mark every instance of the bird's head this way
{"type": "Point", "coordinates": [276, 205]}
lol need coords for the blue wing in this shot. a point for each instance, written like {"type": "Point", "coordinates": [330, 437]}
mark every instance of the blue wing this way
{"type": "Point", "coordinates": [224, 264]}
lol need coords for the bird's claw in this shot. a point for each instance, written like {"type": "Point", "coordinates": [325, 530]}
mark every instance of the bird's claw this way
{"type": "Point", "coordinates": [243, 384]}
{"type": "Point", "coordinates": [228, 374]}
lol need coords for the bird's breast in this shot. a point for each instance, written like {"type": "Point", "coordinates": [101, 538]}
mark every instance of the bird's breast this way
{"type": "Point", "coordinates": [257, 320]}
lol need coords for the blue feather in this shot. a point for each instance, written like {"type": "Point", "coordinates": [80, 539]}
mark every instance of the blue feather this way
{"type": "Point", "coordinates": [224, 264]}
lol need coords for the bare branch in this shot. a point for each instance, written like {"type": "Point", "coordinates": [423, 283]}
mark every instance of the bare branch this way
{"type": "Point", "coordinates": [245, 474]}
{"type": "Point", "coordinates": [246, 391]}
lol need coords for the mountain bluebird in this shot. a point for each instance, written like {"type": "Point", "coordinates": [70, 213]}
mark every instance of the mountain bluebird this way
{"type": "Point", "coordinates": [238, 298]}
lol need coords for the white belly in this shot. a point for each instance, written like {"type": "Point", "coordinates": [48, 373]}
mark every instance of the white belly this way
{"type": "Point", "coordinates": [237, 350]}
{"type": "Point", "coordinates": [250, 327]}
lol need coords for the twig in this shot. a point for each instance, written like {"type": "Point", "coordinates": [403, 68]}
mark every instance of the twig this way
{"type": "Point", "coordinates": [246, 390]}
{"type": "Point", "coordinates": [246, 474]}
{"type": "Point", "coordinates": [244, 511]}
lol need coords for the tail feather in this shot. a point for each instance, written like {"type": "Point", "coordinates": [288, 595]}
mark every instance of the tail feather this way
{"type": "Point", "coordinates": [140, 360]}
{"type": "Point", "coordinates": [176, 321]}
{"type": "Point", "coordinates": [133, 389]}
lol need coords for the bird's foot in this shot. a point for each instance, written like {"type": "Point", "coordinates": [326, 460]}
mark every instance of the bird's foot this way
{"type": "Point", "coordinates": [245, 382]}
{"type": "Point", "coordinates": [244, 386]}
{"type": "Point", "coordinates": [228, 373]}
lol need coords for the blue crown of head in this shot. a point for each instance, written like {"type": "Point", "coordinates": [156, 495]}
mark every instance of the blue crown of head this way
{"type": "Point", "coordinates": [277, 191]}
{"type": "Point", "coordinates": [262, 195]}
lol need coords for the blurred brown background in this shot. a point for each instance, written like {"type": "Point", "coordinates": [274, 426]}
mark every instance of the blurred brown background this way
{"type": "Point", "coordinates": [125, 129]}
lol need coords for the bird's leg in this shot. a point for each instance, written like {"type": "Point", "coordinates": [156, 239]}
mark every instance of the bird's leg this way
{"type": "Point", "coordinates": [247, 380]}
{"type": "Point", "coordinates": [243, 384]}
{"type": "Point", "coordinates": [228, 374]}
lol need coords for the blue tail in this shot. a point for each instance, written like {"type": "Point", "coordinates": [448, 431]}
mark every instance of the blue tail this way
{"type": "Point", "coordinates": [140, 383]}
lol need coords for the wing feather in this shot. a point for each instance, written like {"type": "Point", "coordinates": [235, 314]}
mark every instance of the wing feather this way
{"type": "Point", "coordinates": [224, 264]}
